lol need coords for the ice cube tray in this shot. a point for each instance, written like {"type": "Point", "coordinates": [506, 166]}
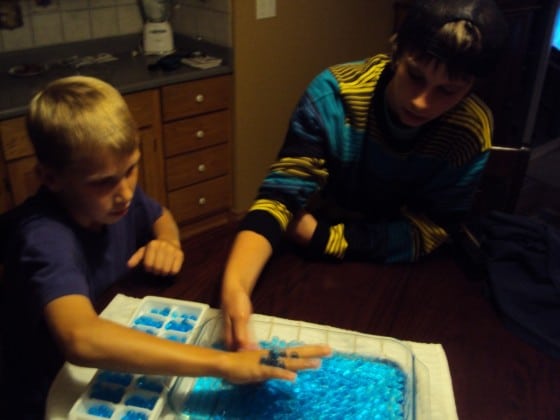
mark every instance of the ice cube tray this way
{"type": "Point", "coordinates": [126, 396]}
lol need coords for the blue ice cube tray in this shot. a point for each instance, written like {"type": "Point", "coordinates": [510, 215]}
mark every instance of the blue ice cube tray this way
{"type": "Point", "coordinates": [126, 396]}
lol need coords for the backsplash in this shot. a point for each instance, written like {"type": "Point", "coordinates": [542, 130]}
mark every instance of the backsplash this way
{"type": "Point", "coordinates": [64, 21]}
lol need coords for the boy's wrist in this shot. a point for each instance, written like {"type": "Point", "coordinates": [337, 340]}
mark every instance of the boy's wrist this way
{"type": "Point", "coordinates": [173, 241]}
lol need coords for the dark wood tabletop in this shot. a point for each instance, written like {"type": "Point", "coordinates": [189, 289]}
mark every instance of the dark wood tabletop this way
{"type": "Point", "coordinates": [495, 374]}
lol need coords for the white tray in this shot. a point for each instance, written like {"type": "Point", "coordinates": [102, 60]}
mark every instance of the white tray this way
{"type": "Point", "coordinates": [270, 329]}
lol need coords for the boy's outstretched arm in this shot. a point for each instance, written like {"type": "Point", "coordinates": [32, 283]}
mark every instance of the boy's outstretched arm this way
{"type": "Point", "coordinates": [163, 255]}
{"type": "Point", "coordinates": [88, 340]}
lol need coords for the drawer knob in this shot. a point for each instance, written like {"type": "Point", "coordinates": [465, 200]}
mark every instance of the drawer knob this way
{"type": "Point", "coordinates": [202, 201]}
{"type": "Point", "coordinates": [200, 134]}
{"type": "Point", "coordinates": [201, 167]}
{"type": "Point", "coordinates": [199, 98]}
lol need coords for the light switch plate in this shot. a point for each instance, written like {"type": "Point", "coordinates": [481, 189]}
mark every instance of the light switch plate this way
{"type": "Point", "coordinates": [266, 9]}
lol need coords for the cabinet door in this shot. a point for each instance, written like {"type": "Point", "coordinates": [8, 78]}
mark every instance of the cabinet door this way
{"type": "Point", "coordinates": [20, 161]}
{"type": "Point", "coordinates": [6, 201]}
{"type": "Point", "coordinates": [15, 143]}
{"type": "Point", "coordinates": [151, 169]}
{"type": "Point", "coordinates": [23, 178]}
{"type": "Point", "coordinates": [144, 107]}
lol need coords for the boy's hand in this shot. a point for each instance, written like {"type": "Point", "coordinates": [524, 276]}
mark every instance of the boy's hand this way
{"type": "Point", "coordinates": [159, 257]}
{"type": "Point", "coordinates": [259, 365]}
{"type": "Point", "coordinates": [237, 309]}
{"type": "Point", "coordinates": [302, 227]}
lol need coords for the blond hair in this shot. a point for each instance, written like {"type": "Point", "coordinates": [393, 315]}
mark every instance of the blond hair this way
{"type": "Point", "coordinates": [76, 116]}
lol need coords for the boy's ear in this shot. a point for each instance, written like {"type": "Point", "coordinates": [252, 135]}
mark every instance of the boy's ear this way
{"type": "Point", "coordinates": [48, 177]}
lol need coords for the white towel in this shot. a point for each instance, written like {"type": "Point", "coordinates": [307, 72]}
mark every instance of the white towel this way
{"type": "Point", "coordinates": [433, 377]}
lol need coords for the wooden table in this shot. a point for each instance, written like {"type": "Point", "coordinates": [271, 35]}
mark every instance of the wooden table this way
{"type": "Point", "coordinates": [495, 374]}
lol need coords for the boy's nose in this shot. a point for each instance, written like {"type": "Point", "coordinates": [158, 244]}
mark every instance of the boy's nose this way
{"type": "Point", "coordinates": [421, 100]}
{"type": "Point", "coordinates": [125, 191]}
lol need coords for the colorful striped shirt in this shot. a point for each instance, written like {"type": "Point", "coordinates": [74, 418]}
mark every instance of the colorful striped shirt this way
{"type": "Point", "coordinates": [382, 198]}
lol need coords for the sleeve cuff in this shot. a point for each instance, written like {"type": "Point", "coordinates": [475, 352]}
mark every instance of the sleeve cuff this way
{"type": "Point", "coordinates": [319, 239]}
{"type": "Point", "coordinates": [264, 224]}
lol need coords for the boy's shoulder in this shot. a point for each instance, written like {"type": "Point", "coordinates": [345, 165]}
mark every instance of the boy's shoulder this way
{"type": "Point", "coordinates": [353, 69]}
{"type": "Point", "coordinates": [37, 214]}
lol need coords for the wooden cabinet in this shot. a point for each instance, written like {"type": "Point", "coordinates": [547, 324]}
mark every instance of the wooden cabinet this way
{"type": "Point", "coordinates": [20, 161]}
{"type": "Point", "coordinates": [145, 107]}
{"type": "Point", "coordinates": [185, 141]}
{"type": "Point", "coordinates": [197, 150]}
{"type": "Point", "coordinates": [6, 201]}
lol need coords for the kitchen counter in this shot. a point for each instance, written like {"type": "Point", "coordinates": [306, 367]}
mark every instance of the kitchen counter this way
{"type": "Point", "coordinates": [129, 73]}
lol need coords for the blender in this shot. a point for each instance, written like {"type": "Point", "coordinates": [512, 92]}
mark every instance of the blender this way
{"type": "Point", "coordinates": [157, 32]}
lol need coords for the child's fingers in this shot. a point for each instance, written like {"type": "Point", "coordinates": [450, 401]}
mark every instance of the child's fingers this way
{"type": "Point", "coordinates": [136, 258]}
{"type": "Point", "coordinates": [163, 259]}
{"type": "Point", "coordinates": [294, 359]}
{"type": "Point", "coordinates": [177, 263]}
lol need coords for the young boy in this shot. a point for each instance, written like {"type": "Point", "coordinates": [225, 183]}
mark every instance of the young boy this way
{"type": "Point", "coordinates": [382, 156]}
{"type": "Point", "coordinates": [87, 226]}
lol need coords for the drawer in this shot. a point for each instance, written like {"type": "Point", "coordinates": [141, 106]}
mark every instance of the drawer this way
{"type": "Point", "coordinates": [144, 107]}
{"type": "Point", "coordinates": [191, 168]}
{"type": "Point", "coordinates": [201, 199]}
{"type": "Point", "coordinates": [15, 143]}
{"type": "Point", "coordinates": [197, 97]}
{"type": "Point", "coordinates": [196, 132]}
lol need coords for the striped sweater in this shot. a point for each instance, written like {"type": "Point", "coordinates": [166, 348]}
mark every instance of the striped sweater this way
{"type": "Point", "coordinates": [395, 200]}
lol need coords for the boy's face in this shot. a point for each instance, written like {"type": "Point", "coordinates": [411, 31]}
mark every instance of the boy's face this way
{"type": "Point", "coordinates": [421, 91]}
{"type": "Point", "coordinates": [98, 190]}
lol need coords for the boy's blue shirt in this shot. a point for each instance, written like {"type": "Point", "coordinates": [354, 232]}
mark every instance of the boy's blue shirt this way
{"type": "Point", "coordinates": [49, 256]}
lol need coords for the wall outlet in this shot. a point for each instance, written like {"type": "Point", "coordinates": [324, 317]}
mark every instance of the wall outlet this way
{"type": "Point", "coordinates": [266, 9]}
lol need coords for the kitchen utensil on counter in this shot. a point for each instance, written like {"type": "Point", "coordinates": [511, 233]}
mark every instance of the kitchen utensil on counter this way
{"type": "Point", "coordinates": [27, 70]}
{"type": "Point", "coordinates": [10, 15]}
{"type": "Point", "coordinates": [157, 33]}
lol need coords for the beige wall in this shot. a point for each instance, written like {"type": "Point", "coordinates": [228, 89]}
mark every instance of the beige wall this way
{"type": "Point", "coordinates": [276, 58]}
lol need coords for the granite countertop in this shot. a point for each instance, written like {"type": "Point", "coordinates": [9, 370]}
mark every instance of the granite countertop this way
{"type": "Point", "coordinates": [129, 73]}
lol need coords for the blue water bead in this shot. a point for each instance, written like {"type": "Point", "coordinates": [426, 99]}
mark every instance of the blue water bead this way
{"type": "Point", "coordinates": [182, 325]}
{"type": "Point", "coordinates": [346, 386]}
{"type": "Point", "coordinates": [184, 315]}
{"type": "Point", "coordinates": [150, 384]}
{"type": "Point", "coordinates": [142, 401]}
{"type": "Point", "coordinates": [100, 410]}
{"type": "Point", "coordinates": [118, 378]}
{"type": "Point", "coordinates": [107, 392]}
{"type": "Point", "coordinates": [161, 311]}
{"type": "Point", "coordinates": [218, 345]}
{"type": "Point", "coordinates": [134, 415]}
{"type": "Point", "coordinates": [148, 321]}
{"type": "Point", "coordinates": [177, 338]}
{"type": "Point", "coordinates": [146, 330]}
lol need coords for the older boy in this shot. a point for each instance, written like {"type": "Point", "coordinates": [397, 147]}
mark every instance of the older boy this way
{"type": "Point", "coordinates": [382, 156]}
{"type": "Point", "coordinates": [88, 225]}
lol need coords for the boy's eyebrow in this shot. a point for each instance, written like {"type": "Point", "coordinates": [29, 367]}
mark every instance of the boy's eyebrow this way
{"type": "Point", "coordinates": [103, 177]}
